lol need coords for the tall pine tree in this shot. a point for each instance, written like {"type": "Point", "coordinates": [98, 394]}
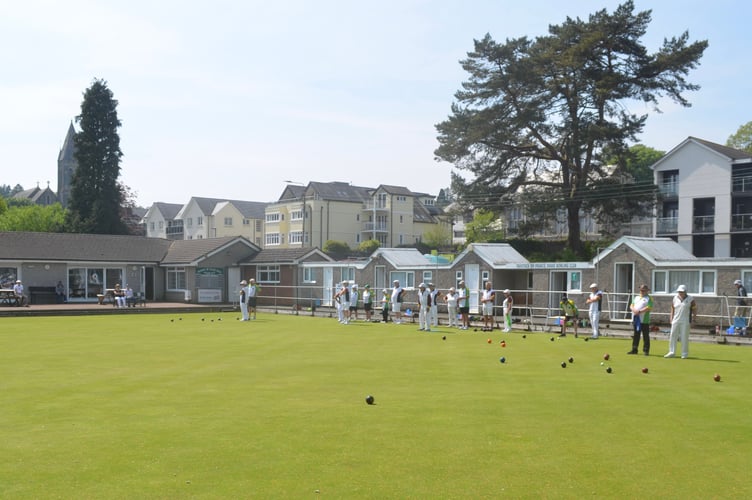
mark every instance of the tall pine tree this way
{"type": "Point", "coordinates": [96, 197]}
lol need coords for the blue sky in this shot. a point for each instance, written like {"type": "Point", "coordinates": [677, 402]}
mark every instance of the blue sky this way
{"type": "Point", "coordinates": [230, 99]}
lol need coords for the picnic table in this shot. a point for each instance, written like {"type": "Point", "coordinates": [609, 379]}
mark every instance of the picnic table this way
{"type": "Point", "coordinates": [8, 297]}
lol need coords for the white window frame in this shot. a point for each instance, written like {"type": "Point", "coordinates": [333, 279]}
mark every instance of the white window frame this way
{"type": "Point", "coordinates": [666, 281]}
{"type": "Point", "coordinates": [228, 221]}
{"type": "Point", "coordinates": [272, 239]}
{"type": "Point", "coordinates": [268, 274]}
{"type": "Point", "coordinates": [273, 217]}
{"type": "Point", "coordinates": [295, 237]}
{"type": "Point", "coordinates": [174, 276]}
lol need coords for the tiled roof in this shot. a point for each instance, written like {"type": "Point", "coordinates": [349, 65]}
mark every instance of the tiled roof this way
{"type": "Point", "coordinates": [81, 247]}
{"type": "Point", "coordinates": [404, 257]}
{"type": "Point", "coordinates": [497, 254]}
{"type": "Point", "coordinates": [340, 191]}
{"type": "Point", "coordinates": [286, 255]}
{"type": "Point", "coordinates": [168, 210]}
{"type": "Point", "coordinates": [734, 154]}
{"type": "Point", "coordinates": [188, 251]}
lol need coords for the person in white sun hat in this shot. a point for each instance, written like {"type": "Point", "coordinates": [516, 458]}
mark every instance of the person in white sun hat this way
{"type": "Point", "coordinates": [682, 310]}
{"type": "Point", "coordinates": [594, 302]}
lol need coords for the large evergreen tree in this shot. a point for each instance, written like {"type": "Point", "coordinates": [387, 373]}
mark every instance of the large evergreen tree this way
{"type": "Point", "coordinates": [96, 196]}
{"type": "Point", "coordinates": [540, 117]}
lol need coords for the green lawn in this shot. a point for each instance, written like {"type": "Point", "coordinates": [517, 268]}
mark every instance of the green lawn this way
{"type": "Point", "coordinates": [155, 406]}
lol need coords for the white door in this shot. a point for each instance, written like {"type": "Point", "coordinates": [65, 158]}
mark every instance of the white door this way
{"type": "Point", "coordinates": [327, 287]}
{"type": "Point", "coordinates": [472, 281]}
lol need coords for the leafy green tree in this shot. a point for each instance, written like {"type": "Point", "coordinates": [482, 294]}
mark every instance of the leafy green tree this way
{"type": "Point", "coordinates": [438, 237]}
{"type": "Point", "coordinates": [628, 192]}
{"type": "Point", "coordinates": [36, 218]}
{"type": "Point", "coordinates": [484, 228]}
{"type": "Point", "coordinates": [96, 197]}
{"type": "Point", "coordinates": [541, 116]}
{"type": "Point", "coordinates": [742, 139]}
{"type": "Point", "coordinates": [368, 247]}
{"type": "Point", "coordinates": [336, 249]}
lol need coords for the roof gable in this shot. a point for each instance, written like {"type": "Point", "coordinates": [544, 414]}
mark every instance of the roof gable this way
{"type": "Point", "coordinates": [496, 255]}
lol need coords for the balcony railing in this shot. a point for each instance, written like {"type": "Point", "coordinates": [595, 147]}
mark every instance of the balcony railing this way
{"type": "Point", "coordinates": [667, 225]}
{"type": "Point", "coordinates": [669, 189]}
{"type": "Point", "coordinates": [742, 184]}
{"type": "Point", "coordinates": [741, 222]}
{"type": "Point", "coordinates": [174, 230]}
{"type": "Point", "coordinates": [375, 205]}
{"type": "Point", "coordinates": [380, 227]}
{"type": "Point", "coordinates": [703, 224]}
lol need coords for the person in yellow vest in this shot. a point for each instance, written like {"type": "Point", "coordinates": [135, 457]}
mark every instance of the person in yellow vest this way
{"type": "Point", "coordinates": [569, 312]}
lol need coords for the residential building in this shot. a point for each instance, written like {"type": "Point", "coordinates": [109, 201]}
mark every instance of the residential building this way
{"type": "Point", "coordinates": [160, 221]}
{"type": "Point", "coordinates": [203, 218]}
{"type": "Point", "coordinates": [312, 215]}
{"type": "Point", "coordinates": [706, 198]}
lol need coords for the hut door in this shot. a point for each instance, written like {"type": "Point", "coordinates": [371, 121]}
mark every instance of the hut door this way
{"type": "Point", "coordinates": [623, 289]}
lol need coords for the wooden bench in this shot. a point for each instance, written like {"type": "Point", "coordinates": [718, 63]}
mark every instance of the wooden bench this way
{"type": "Point", "coordinates": [8, 297]}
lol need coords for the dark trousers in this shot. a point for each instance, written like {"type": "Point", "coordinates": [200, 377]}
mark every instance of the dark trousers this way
{"type": "Point", "coordinates": [385, 314]}
{"type": "Point", "coordinates": [643, 329]}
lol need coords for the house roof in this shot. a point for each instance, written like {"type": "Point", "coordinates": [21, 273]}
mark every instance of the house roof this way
{"type": "Point", "coordinates": [655, 250]}
{"type": "Point", "coordinates": [730, 153]}
{"type": "Point", "coordinates": [183, 252]}
{"type": "Point", "coordinates": [287, 256]}
{"type": "Point", "coordinates": [495, 254]}
{"type": "Point", "coordinates": [340, 191]}
{"type": "Point", "coordinates": [402, 258]}
{"type": "Point", "coordinates": [81, 247]}
{"type": "Point", "coordinates": [34, 194]}
{"type": "Point", "coordinates": [250, 209]}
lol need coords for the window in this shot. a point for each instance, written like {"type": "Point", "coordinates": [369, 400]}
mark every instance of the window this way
{"type": "Point", "coordinates": [357, 217]}
{"type": "Point", "coordinates": [458, 276]}
{"type": "Point", "coordinates": [189, 222]}
{"type": "Point", "coordinates": [258, 226]}
{"type": "Point", "coordinates": [228, 221]}
{"type": "Point", "coordinates": [348, 274]}
{"type": "Point", "coordinates": [273, 217]}
{"type": "Point", "coordinates": [273, 239]}
{"type": "Point", "coordinates": [697, 282]}
{"type": "Point", "coordinates": [530, 275]}
{"type": "Point", "coordinates": [295, 237]}
{"type": "Point", "coordinates": [161, 224]}
{"type": "Point", "coordinates": [574, 279]}
{"type": "Point", "coordinates": [296, 215]}
{"type": "Point", "coordinates": [309, 276]}
{"type": "Point", "coordinates": [406, 278]}
{"type": "Point", "coordinates": [267, 274]}
{"type": "Point", "coordinates": [8, 276]}
{"type": "Point", "coordinates": [175, 278]}
{"type": "Point", "coordinates": [199, 221]}
{"type": "Point", "coordinates": [485, 276]}
{"type": "Point", "coordinates": [427, 276]}
{"type": "Point", "coordinates": [401, 198]}
{"type": "Point", "coordinates": [151, 225]}
{"type": "Point", "coordinates": [246, 222]}
{"type": "Point", "coordinates": [401, 220]}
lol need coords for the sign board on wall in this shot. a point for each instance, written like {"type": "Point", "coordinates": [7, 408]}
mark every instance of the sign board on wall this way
{"type": "Point", "coordinates": [209, 295]}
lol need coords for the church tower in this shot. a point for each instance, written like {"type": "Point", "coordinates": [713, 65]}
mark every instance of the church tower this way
{"type": "Point", "coordinates": [66, 166]}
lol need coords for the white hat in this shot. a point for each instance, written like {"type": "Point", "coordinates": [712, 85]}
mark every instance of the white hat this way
{"type": "Point", "coordinates": [593, 285]}
{"type": "Point", "coordinates": [422, 285]}
{"type": "Point", "coordinates": [244, 282]}
{"type": "Point", "coordinates": [681, 288]}
{"type": "Point", "coordinates": [355, 286]}
{"type": "Point", "coordinates": [395, 281]}
{"type": "Point", "coordinates": [506, 290]}
{"type": "Point", "coordinates": [18, 281]}
{"type": "Point", "coordinates": [737, 282]}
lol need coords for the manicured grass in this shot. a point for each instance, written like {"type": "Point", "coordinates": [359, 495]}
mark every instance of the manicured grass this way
{"type": "Point", "coordinates": [152, 406]}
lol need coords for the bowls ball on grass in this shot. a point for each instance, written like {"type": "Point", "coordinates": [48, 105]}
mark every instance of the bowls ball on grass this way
{"type": "Point", "coordinates": [370, 399]}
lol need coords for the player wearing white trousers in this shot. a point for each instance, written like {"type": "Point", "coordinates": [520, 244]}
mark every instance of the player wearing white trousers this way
{"type": "Point", "coordinates": [243, 301]}
{"type": "Point", "coordinates": [424, 312]}
{"type": "Point", "coordinates": [682, 309]}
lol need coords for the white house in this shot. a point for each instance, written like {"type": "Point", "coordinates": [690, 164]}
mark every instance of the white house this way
{"type": "Point", "coordinates": [706, 202]}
